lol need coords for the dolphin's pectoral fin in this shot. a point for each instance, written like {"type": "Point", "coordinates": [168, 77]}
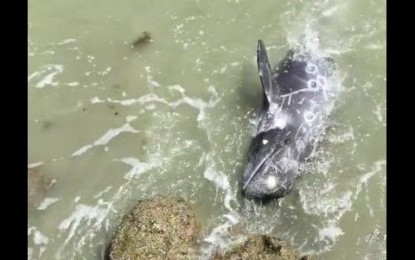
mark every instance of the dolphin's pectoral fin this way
{"type": "Point", "coordinates": [265, 72]}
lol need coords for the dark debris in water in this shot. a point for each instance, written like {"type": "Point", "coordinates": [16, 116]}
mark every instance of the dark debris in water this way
{"type": "Point", "coordinates": [47, 125]}
{"type": "Point", "coordinates": [114, 108]}
{"type": "Point", "coordinates": [142, 40]}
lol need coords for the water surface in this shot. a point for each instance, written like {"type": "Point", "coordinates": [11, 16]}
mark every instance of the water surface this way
{"type": "Point", "coordinates": [114, 125]}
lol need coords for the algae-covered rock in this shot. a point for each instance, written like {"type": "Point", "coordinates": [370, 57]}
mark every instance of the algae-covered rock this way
{"type": "Point", "coordinates": [260, 247]}
{"type": "Point", "coordinates": [166, 228]}
{"type": "Point", "coordinates": [160, 228]}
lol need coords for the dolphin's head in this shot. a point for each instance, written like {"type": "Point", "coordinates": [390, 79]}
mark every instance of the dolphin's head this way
{"type": "Point", "coordinates": [271, 169]}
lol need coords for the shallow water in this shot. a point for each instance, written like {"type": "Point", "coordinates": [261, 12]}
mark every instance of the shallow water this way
{"type": "Point", "coordinates": [114, 124]}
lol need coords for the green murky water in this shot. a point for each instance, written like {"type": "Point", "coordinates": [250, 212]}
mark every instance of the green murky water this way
{"type": "Point", "coordinates": [113, 124]}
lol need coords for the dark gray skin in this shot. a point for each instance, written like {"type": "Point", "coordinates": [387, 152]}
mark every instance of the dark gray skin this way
{"type": "Point", "coordinates": [298, 96]}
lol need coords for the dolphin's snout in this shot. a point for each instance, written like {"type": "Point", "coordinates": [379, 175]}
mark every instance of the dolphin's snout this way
{"type": "Point", "coordinates": [267, 184]}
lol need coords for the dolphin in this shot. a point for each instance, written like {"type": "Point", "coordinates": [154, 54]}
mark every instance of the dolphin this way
{"type": "Point", "coordinates": [298, 96]}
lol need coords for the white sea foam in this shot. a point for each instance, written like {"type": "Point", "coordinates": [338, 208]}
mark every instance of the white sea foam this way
{"type": "Point", "coordinates": [137, 169]}
{"type": "Point", "coordinates": [67, 41]}
{"type": "Point", "coordinates": [196, 103]}
{"type": "Point", "coordinates": [46, 203]}
{"type": "Point", "coordinates": [107, 137]}
{"type": "Point", "coordinates": [49, 72]}
{"type": "Point", "coordinates": [35, 164]}
{"type": "Point", "coordinates": [91, 216]}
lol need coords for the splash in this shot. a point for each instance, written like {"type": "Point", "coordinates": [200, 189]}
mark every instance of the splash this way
{"type": "Point", "coordinates": [40, 240]}
{"type": "Point", "coordinates": [330, 205]}
{"type": "Point", "coordinates": [84, 225]}
{"type": "Point", "coordinates": [91, 216]}
{"type": "Point", "coordinates": [219, 237]}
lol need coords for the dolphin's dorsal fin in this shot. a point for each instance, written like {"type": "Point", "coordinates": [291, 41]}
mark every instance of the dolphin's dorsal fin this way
{"type": "Point", "coordinates": [265, 73]}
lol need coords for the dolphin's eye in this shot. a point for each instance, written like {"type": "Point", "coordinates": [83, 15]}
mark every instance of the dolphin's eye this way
{"type": "Point", "coordinates": [287, 141]}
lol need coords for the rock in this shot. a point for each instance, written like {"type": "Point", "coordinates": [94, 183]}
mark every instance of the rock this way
{"type": "Point", "coordinates": [159, 228]}
{"type": "Point", "coordinates": [166, 228]}
{"type": "Point", "coordinates": [260, 247]}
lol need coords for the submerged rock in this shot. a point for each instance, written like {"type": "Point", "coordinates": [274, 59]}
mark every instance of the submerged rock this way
{"type": "Point", "coordinates": [162, 228]}
{"type": "Point", "coordinates": [37, 188]}
{"type": "Point", "coordinates": [260, 247]}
